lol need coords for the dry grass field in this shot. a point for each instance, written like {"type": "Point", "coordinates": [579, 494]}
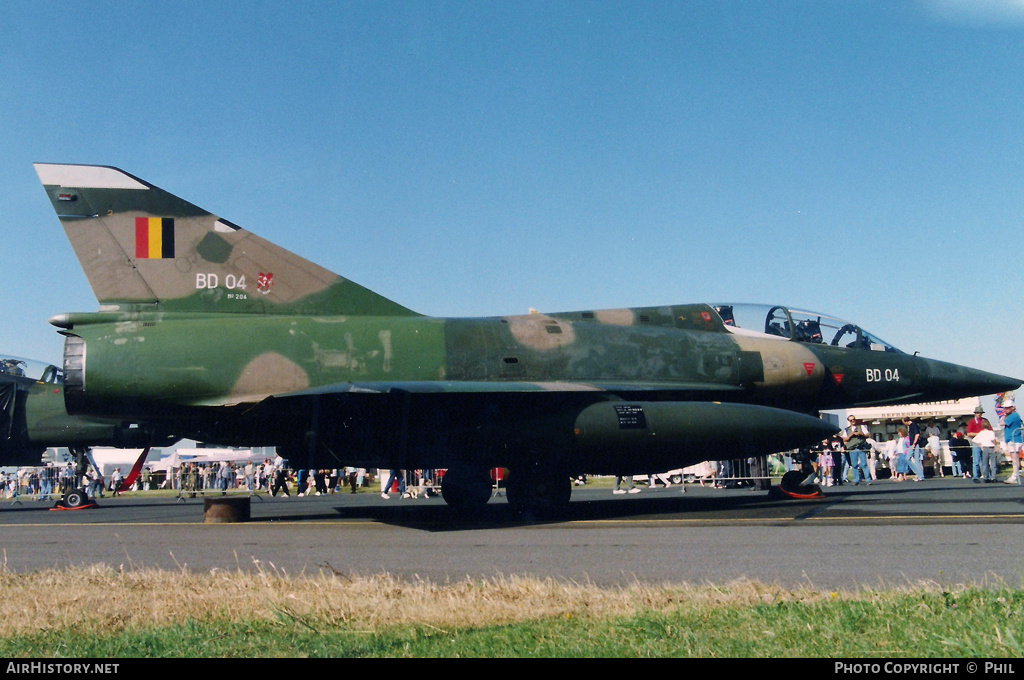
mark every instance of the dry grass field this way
{"type": "Point", "coordinates": [107, 612]}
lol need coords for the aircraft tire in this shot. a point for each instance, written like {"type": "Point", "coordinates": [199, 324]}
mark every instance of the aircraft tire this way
{"type": "Point", "coordinates": [517, 492]}
{"type": "Point", "coordinates": [539, 492]}
{"type": "Point", "coordinates": [466, 490]}
{"type": "Point", "coordinates": [791, 483]}
{"type": "Point", "coordinates": [76, 498]}
{"type": "Point", "coordinates": [791, 480]}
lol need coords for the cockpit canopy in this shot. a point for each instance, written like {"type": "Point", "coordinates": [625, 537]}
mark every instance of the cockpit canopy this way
{"type": "Point", "coordinates": [801, 326]}
{"type": "Point", "coordinates": [29, 368]}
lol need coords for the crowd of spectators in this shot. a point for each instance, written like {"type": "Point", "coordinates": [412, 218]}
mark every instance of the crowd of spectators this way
{"type": "Point", "coordinates": [51, 481]}
{"type": "Point", "coordinates": [272, 475]}
{"type": "Point", "coordinates": [969, 450]}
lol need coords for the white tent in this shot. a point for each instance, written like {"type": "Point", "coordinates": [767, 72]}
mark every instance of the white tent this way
{"type": "Point", "coordinates": [179, 457]}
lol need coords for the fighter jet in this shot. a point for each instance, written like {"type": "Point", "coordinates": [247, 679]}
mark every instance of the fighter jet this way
{"type": "Point", "coordinates": [33, 418]}
{"type": "Point", "coordinates": [210, 332]}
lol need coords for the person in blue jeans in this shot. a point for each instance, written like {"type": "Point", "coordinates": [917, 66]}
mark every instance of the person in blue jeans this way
{"type": "Point", "coordinates": [915, 454]}
{"type": "Point", "coordinates": [1013, 435]}
{"type": "Point", "coordinates": [974, 427]}
{"type": "Point", "coordinates": [855, 439]}
{"type": "Point", "coordinates": [395, 474]}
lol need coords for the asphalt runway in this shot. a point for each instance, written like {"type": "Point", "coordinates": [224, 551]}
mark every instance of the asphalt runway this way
{"type": "Point", "coordinates": [945, 531]}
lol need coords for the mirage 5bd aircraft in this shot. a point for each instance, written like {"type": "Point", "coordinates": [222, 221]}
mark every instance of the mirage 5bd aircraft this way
{"type": "Point", "coordinates": [209, 332]}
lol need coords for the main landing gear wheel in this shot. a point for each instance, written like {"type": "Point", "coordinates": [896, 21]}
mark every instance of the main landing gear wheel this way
{"type": "Point", "coordinates": [466, 490]}
{"type": "Point", "coordinates": [539, 492]}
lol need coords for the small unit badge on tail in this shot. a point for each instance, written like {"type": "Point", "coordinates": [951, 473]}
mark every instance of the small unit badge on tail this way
{"type": "Point", "coordinates": [264, 282]}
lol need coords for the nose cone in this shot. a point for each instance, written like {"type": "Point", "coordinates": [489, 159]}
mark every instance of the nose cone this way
{"type": "Point", "coordinates": [942, 380]}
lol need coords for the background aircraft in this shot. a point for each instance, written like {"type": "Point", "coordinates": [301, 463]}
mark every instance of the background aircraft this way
{"type": "Point", "coordinates": [33, 418]}
{"type": "Point", "coordinates": [210, 332]}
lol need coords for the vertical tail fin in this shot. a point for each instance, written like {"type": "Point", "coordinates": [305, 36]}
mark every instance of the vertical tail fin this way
{"type": "Point", "coordinates": [140, 245]}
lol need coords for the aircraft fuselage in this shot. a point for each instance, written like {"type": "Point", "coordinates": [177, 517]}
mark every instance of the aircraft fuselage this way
{"type": "Point", "coordinates": [433, 387]}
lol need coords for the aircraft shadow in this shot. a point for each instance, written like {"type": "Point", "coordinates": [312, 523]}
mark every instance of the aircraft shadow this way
{"type": "Point", "coordinates": [876, 500]}
{"type": "Point", "coordinates": [437, 517]}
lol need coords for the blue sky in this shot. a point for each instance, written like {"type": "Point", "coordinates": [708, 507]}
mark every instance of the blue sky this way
{"type": "Point", "coordinates": [863, 159]}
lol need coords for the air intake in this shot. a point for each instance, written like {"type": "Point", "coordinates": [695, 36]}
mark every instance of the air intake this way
{"type": "Point", "coordinates": [74, 370]}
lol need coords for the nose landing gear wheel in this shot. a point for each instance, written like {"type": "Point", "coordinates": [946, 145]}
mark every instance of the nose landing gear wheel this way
{"type": "Point", "coordinates": [791, 486]}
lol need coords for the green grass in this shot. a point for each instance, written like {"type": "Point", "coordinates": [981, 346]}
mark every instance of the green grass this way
{"type": "Point", "coordinates": [933, 623]}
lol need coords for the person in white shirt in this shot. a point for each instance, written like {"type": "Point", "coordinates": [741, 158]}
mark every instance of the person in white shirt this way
{"type": "Point", "coordinates": [934, 446]}
{"type": "Point", "coordinates": [986, 441]}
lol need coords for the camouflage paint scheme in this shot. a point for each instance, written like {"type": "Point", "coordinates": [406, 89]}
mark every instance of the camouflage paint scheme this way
{"type": "Point", "coordinates": [210, 332]}
{"type": "Point", "coordinates": [33, 417]}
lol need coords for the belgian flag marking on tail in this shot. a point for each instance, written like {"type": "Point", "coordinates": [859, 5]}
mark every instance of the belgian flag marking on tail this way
{"type": "Point", "coordinates": [154, 238]}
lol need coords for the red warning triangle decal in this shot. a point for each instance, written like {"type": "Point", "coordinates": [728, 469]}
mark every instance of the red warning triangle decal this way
{"type": "Point", "coordinates": [809, 367]}
{"type": "Point", "coordinates": [838, 377]}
